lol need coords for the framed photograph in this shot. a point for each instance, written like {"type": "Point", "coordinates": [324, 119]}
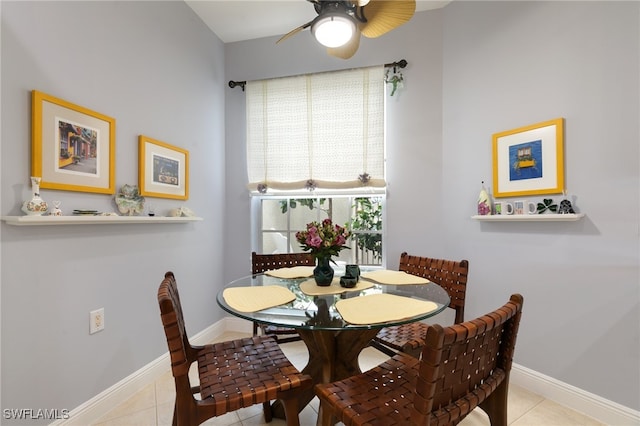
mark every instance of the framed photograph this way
{"type": "Point", "coordinates": [73, 148]}
{"type": "Point", "coordinates": [529, 160]}
{"type": "Point", "coordinates": [164, 170]}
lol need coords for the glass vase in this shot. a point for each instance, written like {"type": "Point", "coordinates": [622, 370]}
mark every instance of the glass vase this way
{"type": "Point", "coordinates": [323, 272]}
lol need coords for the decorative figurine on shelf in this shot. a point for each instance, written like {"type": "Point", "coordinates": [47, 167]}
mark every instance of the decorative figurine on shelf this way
{"type": "Point", "coordinates": [484, 203]}
{"type": "Point", "coordinates": [547, 204]}
{"type": "Point", "coordinates": [36, 206]}
{"type": "Point", "coordinates": [129, 200]}
{"type": "Point", "coordinates": [565, 205]}
{"type": "Point", "coordinates": [181, 211]}
{"type": "Point", "coordinates": [56, 209]}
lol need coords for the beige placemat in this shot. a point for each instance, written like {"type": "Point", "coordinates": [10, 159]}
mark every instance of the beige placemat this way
{"type": "Point", "coordinates": [377, 308]}
{"type": "Point", "coordinates": [386, 276]}
{"type": "Point", "coordinates": [293, 272]}
{"type": "Point", "coordinates": [253, 299]}
{"type": "Point", "coordinates": [309, 287]}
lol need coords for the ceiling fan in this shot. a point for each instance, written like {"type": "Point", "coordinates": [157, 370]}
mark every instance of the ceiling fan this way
{"type": "Point", "coordinates": [339, 23]}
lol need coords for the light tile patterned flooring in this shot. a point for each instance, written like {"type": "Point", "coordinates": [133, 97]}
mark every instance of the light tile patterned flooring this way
{"type": "Point", "coordinates": [154, 404]}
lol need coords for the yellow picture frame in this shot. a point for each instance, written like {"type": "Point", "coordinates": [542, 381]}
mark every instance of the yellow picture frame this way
{"type": "Point", "coordinates": [72, 147]}
{"type": "Point", "coordinates": [163, 169]}
{"type": "Point", "coordinates": [529, 160]}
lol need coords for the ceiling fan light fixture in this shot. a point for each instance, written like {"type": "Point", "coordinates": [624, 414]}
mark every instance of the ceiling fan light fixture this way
{"type": "Point", "coordinates": [333, 29]}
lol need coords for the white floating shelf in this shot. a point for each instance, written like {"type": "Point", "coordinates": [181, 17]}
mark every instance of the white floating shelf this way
{"type": "Point", "coordinates": [530, 217]}
{"type": "Point", "coordinates": [92, 220]}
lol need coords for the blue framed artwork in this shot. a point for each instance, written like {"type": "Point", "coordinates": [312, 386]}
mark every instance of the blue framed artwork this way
{"type": "Point", "coordinates": [529, 160]}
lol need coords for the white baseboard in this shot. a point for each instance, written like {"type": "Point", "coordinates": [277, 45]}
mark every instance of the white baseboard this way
{"type": "Point", "coordinates": [237, 325]}
{"type": "Point", "coordinates": [603, 410]}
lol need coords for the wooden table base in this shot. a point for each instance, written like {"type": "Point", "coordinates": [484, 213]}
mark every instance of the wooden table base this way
{"type": "Point", "coordinates": [333, 355]}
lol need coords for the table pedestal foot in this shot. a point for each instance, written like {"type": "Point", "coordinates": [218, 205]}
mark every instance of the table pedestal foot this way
{"type": "Point", "coordinates": [333, 355]}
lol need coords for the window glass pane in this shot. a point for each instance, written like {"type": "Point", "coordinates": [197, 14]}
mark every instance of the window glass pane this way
{"type": "Point", "coordinates": [367, 249]}
{"type": "Point", "coordinates": [294, 244]}
{"type": "Point", "coordinates": [272, 217]}
{"type": "Point", "coordinates": [341, 210]}
{"type": "Point", "coordinates": [366, 225]}
{"type": "Point", "coordinates": [275, 242]}
{"type": "Point", "coordinates": [305, 210]}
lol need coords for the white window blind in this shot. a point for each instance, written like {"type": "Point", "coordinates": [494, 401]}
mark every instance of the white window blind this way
{"type": "Point", "coordinates": [321, 131]}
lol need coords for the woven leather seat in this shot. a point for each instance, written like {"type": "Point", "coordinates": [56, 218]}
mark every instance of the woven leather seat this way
{"type": "Point", "coordinates": [233, 374]}
{"type": "Point", "coordinates": [448, 274]}
{"type": "Point", "coordinates": [265, 262]}
{"type": "Point", "coordinates": [462, 367]}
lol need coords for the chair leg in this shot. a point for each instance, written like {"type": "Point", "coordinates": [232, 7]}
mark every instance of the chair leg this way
{"type": "Point", "coordinates": [326, 416]}
{"type": "Point", "coordinates": [268, 414]}
{"type": "Point", "coordinates": [496, 404]}
{"type": "Point", "coordinates": [291, 411]}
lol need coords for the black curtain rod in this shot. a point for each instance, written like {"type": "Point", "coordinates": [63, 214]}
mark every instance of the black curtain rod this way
{"type": "Point", "coordinates": [399, 64]}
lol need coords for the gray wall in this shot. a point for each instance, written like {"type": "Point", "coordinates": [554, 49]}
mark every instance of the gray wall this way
{"type": "Point", "coordinates": [158, 70]}
{"type": "Point", "coordinates": [477, 68]}
{"type": "Point", "coordinates": [508, 64]}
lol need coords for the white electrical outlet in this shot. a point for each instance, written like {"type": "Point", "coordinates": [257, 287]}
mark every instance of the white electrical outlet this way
{"type": "Point", "coordinates": [96, 320]}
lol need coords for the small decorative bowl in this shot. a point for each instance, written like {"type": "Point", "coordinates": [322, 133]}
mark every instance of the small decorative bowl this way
{"type": "Point", "coordinates": [348, 282]}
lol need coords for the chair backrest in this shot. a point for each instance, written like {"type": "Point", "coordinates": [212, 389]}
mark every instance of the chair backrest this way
{"type": "Point", "coordinates": [463, 364]}
{"type": "Point", "coordinates": [265, 262]}
{"type": "Point", "coordinates": [448, 274]}
{"type": "Point", "coordinates": [180, 350]}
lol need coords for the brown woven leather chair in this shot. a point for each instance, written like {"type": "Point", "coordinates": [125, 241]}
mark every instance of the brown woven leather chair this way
{"type": "Point", "coordinates": [233, 374]}
{"type": "Point", "coordinates": [264, 262]}
{"type": "Point", "coordinates": [448, 274]}
{"type": "Point", "coordinates": [462, 367]}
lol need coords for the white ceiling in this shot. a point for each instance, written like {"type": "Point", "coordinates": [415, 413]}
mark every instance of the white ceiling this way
{"type": "Point", "coordinates": [237, 20]}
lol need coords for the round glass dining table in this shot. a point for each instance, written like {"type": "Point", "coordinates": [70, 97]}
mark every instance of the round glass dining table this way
{"type": "Point", "coordinates": [317, 313]}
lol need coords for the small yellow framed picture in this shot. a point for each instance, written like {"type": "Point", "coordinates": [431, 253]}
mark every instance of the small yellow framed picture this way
{"type": "Point", "coordinates": [163, 171]}
{"type": "Point", "coordinates": [529, 160]}
{"type": "Point", "coordinates": [72, 147]}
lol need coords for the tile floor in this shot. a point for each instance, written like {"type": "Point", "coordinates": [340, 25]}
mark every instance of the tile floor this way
{"type": "Point", "coordinates": [154, 404]}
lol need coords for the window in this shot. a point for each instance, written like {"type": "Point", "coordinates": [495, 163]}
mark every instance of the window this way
{"type": "Point", "coordinates": [315, 150]}
{"type": "Point", "coordinates": [282, 217]}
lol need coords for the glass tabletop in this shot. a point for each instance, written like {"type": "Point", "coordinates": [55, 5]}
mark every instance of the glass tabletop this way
{"type": "Point", "coordinates": [319, 312]}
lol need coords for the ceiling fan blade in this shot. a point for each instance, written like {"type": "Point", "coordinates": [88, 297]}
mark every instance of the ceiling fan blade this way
{"type": "Point", "coordinates": [294, 32]}
{"type": "Point", "coordinates": [348, 50]}
{"type": "Point", "coordinates": [383, 16]}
